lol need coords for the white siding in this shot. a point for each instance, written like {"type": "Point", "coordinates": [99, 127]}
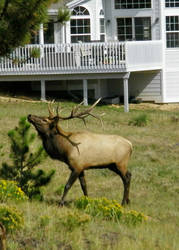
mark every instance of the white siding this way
{"type": "Point", "coordinates": [146, 86]}
{"type": "Point", "coordinates": [172, 75]}
{"type": "Point", "coordinates": [172, 86]}
{"type": "Point", "coordinates": [172, 60]}
{"type": "Point", "coordinates": [156, 33]}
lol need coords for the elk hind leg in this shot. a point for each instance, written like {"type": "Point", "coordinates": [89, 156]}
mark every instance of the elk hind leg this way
{"type": "Point", "coordinates": [74, 175]}
{"type": "Point", "coordinates": [83, 183]}
{"type": "Point", "coordinates": [126, 179]}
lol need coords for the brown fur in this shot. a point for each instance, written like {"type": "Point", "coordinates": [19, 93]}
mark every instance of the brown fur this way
{"type": "Point", "coordinates": [84, 150]}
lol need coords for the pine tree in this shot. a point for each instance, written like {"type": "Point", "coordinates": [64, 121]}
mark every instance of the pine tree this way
{"type": "Point", "coordinates": [20, 20]}
{"type": "Point", "coordinates": [24, 162]}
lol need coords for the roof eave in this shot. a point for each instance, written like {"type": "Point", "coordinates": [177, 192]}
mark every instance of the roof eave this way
{"type": "Point", "coordinates": [74, 3]}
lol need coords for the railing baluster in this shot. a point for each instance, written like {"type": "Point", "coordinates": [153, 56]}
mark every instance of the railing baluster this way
{"type": "Point", "coordinates": [82, 57]}
{"type": "Point", "coordinates": [101, 55]}
{"type": "Point", "coordinates": [46, 57]}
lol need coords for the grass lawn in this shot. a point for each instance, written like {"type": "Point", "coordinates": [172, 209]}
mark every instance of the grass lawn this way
{"type": "Point", "coordinates": [154, 188]}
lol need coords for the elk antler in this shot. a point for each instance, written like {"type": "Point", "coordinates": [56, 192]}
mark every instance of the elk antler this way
{"type": "Point", "coordinates": [50, 110]}
{"type": "Point", "coordinates": [75, 113]}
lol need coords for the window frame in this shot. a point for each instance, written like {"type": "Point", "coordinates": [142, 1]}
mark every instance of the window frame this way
{"type": "Point", "coordinates": [175, 2]}
{"type": "Point", "coordinates": [77, 17]}
{"type": "Point", "coordinates": [132, 4]}
{"type": "Point", "coordinates": [102, 26]}
{"type": "Point", "coordinates": [49, 32]}
{"type": "Point", "coordinates": [171, 30]}
{"type": "Point", "coordinates": [133, 28]}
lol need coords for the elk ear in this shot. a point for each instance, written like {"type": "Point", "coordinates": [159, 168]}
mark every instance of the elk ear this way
{"type": "Point", "coordinates": [54, 122]}
{"type": "Point", "coordinates": [56, 119]}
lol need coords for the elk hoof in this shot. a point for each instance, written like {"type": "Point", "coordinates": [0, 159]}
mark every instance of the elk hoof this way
{"type": "Point", "coordinates": [125, 202]}
{"type": "Point", "coordinates": [61, 203]}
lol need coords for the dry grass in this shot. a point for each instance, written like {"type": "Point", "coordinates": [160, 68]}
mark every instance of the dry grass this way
{"type": "Point", "coordinates": [154, 189]}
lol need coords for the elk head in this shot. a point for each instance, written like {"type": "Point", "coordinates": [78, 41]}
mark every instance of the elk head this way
{"type": "Point", "coordinates": [51, 125]}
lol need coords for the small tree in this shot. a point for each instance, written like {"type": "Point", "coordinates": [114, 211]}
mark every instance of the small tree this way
{"type": "Point", "coordinates": [20, 20]}
{"type": "Point", "coordinates": [24, 161]}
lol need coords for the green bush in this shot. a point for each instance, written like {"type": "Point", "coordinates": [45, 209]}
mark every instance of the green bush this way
{"type": "Point", "coordinates": [74, 219]}
{"type": "Point", "coordinates": [11, 218]}
{"type": "Point", "coordinates": [109, 210]}
{"type": "Point", "coordinates": [44, 220]}
{"type": "Point", "coordinates": [60, 189]}
{"type": "Point", "coordinates": [10, 191]}
{"type": "Point", "coordinates": [139, 121]}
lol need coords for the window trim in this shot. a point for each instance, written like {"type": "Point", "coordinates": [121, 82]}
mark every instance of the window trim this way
{"type": "Point", "coordinates": [50, 23]}
{"type": "Point", "coordinates": [85, 9]}
{"type": "Point", "coordinates": [100, 32]}
{"type": "Point", "coordinates": [170, 3]}
{"type": "Point", "coordinates": [171, 32]}
{"type": "Point", "coordinates": [78, 17]}
{"type": "Point", "coordinates": [129, 9]}
{"type": "Point", "coordinates": [133, 27]}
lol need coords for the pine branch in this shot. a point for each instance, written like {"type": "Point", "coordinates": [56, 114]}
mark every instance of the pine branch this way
{"type": "Point", "coordinates": [4, 10]}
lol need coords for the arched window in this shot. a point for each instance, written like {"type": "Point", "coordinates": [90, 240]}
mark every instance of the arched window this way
{"type": "Point", "coordinates": [101, 13]}
{"type": "Point", "coordinates": [80, 25]}
{"type": "Point", "coordinates": [80, 11]}
{"type": "Point", "coordinates": [102, 26]}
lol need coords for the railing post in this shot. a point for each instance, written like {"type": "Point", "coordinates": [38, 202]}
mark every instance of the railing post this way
{"type": "Point", "coordinates": [41, 34]}
{"type": "Point", "coordinates": [43, 97]}
{"type": "Point", "coordinates": [85, 92]}
{"type": "Point", "coordinates": [126, 92]}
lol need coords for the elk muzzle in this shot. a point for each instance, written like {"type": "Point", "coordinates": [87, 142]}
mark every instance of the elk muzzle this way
{"type": "Point", "coordinates": [33, 119]}
{"type": "Point", "coordinates": [38, 123]}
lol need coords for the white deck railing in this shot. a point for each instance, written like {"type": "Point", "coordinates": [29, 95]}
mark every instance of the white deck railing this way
{"type": "Point", "coordinates": [82, 58]}
{"type": "Point", "coordinates": [142, 55]}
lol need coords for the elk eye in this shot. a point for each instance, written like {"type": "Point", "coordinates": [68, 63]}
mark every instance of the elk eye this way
{"type": "Point", "coordinates": [45, 120]}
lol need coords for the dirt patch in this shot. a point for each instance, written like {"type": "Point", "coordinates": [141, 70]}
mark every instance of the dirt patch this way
{"type": "Point", "coordinates": [140, 106]}
{"type": "Point", "coordinates": [147, 106]}
{"type": "Point", "coordinates": [19, 99]}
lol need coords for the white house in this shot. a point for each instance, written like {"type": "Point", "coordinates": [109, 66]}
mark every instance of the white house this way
{"type": "Point", "coordinates": [126, 48]}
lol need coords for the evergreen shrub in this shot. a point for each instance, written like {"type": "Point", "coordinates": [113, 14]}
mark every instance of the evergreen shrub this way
{"type": "Point", "coordinates": [24, 162]}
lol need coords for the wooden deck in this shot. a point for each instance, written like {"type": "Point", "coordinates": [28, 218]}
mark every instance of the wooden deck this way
{"type": "Point", "coordinates": [83, 58]}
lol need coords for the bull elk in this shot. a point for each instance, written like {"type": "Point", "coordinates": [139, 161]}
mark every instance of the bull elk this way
{"type": "Point", "coordinates": [83, 150]}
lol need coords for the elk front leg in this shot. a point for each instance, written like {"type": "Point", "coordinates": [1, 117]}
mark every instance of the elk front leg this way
{"type": "Point", "coordinates": [74, 175]}
{"type": "Point", "coordinates": [83, 183]}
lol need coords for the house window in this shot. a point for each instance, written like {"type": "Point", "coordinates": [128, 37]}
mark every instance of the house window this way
{"type": "Point", "coordinates": [132, 4]}
{"type": "Point", "coordinates": [172, 31]}
{"type": "Point", "coordinates": [101, 13]}
{"type": "Point", "coordinates": [80, 25]}
{"type": "Point", "coordinates": [171, 3]}
{"type": "Point", "coordinates": [102, 30]}
{"type": "Point", "coordinates": [80, 11]}
{"type": "Point", "coordinates": [102, 26]}
{"type": "Point", "coordinates": [35, 38]}
{"type": "Point", "coordinates": [49, 33]}
{"type": "Point", "coordinates": [124, 29]}
{"type": "Point", "coordinates": [138, 28]}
